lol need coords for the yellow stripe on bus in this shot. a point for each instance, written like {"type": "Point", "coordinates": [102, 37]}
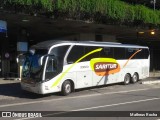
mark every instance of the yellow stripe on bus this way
{"type": "Point", "coordinates": [131, 57]}
{"type": "Point", "coordinates": [64, 73]}
{"type": "Point", "coordinates": [94, 51]}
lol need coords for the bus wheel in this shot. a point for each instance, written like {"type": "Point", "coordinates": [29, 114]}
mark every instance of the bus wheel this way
{"type": "Point", "coordinates": [127, 79]}
{"type": "Point", "coordinates": [66, 88]}
{"type": "Point", "coordinates": [135, 78]}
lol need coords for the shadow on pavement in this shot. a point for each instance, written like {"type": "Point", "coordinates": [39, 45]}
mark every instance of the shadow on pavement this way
{"type": "Point", "coordinates": [14, 90]}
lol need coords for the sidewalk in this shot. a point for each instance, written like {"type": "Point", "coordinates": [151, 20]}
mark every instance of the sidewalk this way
{"type": "Point", "coordinates": [154, 74]}
{"type": "Point", "coordinates": [11, 80]}
{"type": "Point", "coordinates": [154, 78]}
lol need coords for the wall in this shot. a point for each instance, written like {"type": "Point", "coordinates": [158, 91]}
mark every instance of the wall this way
{"type": "Point", "coordinates": [89, 37]}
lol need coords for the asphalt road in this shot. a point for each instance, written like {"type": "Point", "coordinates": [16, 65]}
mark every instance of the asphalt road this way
{"type": "Point", "coordinates": [113, 102]}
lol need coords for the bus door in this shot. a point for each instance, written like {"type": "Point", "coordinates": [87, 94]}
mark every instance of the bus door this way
{"type": "Point", "coordinates": [82, 68]}
{"type": "Point", "coordinates": [84, 75]}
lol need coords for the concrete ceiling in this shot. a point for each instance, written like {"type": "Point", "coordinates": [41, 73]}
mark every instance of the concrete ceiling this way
{"type": "Point", "coordinates": [41, 28]}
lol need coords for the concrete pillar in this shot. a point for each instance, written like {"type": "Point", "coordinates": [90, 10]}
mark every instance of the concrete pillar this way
{"type": "Point", "coordinates": [5, 61]}
{"type": "Point", "coordinates": [22, 47]}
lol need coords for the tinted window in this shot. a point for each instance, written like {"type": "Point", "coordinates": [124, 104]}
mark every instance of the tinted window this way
{"type": "Point", "coordinates": [52, 68]}
{"type": "Point", "coordinates": [143, 54]}
{"type": "Point", "coordinates": [131, 51]}
{"type": "Point", "coordinates": [140, 55]}
{"type": "Point", "coordinates": [107, 52]}
{"type": "Point", "coordinates": [59, 53]}
{"type": "Point", "coordinates": [119, 53]}
{"type": "Point", "coordinates": [76, 53]}
{"type": "Point", "coordinates": [94, 55]}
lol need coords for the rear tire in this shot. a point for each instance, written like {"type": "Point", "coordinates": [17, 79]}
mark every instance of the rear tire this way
{"type": "Point", "coordinates": [127, 79]}
{"type": "Point", "coordinates": [135, 78]}
{"type": "Point", "coordinates": [66, 88]}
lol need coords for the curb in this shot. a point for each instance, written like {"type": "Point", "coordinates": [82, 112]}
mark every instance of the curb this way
{"type": "Point", "coordinates": [14, 79]}
{"type": "Point", "coordinates": [151, 82]}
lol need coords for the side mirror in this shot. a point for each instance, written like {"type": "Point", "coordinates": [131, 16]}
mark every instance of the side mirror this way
{"type": "Point", "coordinates": [20, 59]}
{"type": "Point", "coordinates": [41, 60]}
{"type": "Point", "coordinates": [51, 64]}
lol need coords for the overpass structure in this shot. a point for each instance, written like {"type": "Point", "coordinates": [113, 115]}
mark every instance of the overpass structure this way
{"type": "Point", "coordinates": [111, 20]}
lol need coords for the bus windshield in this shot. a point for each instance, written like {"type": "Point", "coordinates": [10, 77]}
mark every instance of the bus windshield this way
{"type": "Point", "coordinates": [31, 67]}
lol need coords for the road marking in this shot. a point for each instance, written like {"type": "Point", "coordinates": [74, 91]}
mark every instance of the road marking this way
{"type": "Point", "coordinates": [75, 97]}
{"type": "Point", "coordinates": [151, 82]}
{"type": "Point", "coordinates": [96, 107]}
{"type": "Point", "coordinates": [117, 104]}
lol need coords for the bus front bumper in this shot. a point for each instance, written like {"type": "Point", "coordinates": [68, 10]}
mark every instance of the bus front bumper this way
{"type": "Point", "coordinates": [37, 88]}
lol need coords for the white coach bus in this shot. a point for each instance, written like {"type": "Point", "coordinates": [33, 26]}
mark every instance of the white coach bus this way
{"type": "Point", "coordinates": [64, 66]}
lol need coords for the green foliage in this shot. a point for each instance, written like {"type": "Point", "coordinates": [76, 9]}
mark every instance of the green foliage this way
{"type": "Point", "coordinates": [45, 4]}
{"type": "Point", "coordinates": [111, 9]}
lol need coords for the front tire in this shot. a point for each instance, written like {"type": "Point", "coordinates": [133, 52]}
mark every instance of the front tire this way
{"type": "Point", "coordinates": [66, 88]}
{"type": "Point", "coordinates": [127, 79]}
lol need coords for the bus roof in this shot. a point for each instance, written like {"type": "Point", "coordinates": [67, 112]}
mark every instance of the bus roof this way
{"type": "Point", "coordinates": [48, 44]}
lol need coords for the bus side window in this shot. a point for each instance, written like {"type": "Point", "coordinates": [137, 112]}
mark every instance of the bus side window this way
{"type": "Point", "coordinates": [119, 53]}
{"type": "Point", "coordinates": [51, 65]}
{"type": "Point", "coordinates": [59, 52]}
{"type": "Point", "coordinates": [88, 49]}
{"type": "Point", "coordinates": [139, 55]}
{"type": "Point", "coordinates": [107, 52]}
{"type": "Point", "coordinates": [130, 52]}
{"type": "Point", "coordinates": [76, 53]}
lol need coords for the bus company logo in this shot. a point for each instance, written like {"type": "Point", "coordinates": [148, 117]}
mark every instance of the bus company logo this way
{"type": "Point", "coordinates": [104, 66]}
